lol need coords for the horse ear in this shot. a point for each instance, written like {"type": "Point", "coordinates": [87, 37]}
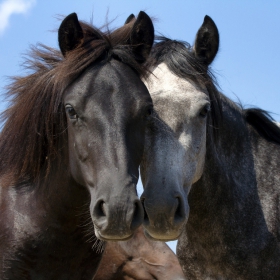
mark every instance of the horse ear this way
{"type": "Point", "coordinates": [70, 34]}
{"type": "Point", "coordinates": [129, 19]}
{"type": "Point", "coordinates": [207, 41]}
{"type": "Point", "coordinates": [142, 37]}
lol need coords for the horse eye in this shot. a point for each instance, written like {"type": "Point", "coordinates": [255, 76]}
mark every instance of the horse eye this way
{"type": "Point", "coordinates": [71, 112]}
{"type": "Point", "coordinates": [149, 112]}
{"type": "Point", "coordinates": [205, 110]}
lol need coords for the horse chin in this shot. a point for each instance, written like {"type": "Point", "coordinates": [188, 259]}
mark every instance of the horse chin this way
{"type": "Point", "coordinates": [167, 236]}
{"type": "Point", "coordinates": [116, 238]}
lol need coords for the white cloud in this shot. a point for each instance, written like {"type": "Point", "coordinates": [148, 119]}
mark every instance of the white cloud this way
{"type": "Point", "coordinates": [9, 7]}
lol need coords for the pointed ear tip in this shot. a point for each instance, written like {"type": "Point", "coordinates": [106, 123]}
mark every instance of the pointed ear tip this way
{"type": "Point", "coordinates": [143, 17]}
{"type": "Point", "coordinates": [142, 14]}
{"type": "Point", "coordinates": [130, 18]}
{"type": "Point", "coordinates": [208, 19]}
{"type": "Point", "coordinates": [72, 15]}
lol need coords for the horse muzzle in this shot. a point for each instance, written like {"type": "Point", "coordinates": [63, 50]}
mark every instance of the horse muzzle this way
{"type": "Point", "coordinates": [164, 219]}
{"type": "Point", "coordinates": [117, 220]}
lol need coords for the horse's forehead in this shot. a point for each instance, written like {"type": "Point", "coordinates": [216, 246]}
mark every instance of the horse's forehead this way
{"type": "Point", "coordinates": [174, 97]}
{"type": "Point", "coordinates": [112, 72]}
{"type": "Point", "coordinates": [162, 83]}
{"type": "Point", "coordinates": [113, 79]}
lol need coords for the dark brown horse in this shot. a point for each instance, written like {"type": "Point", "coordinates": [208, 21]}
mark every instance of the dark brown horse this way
{"type": "Point", "coordinates": [139, 258]}
{"type": "Point", "coordinates": [70, 149]}
{"type": "Point", "coordinates": [210, 169]}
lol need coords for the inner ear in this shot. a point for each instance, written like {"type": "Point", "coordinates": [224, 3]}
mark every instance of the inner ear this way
{"type": "Point", "coordinates": [70, 34]}
{"type": "Point", "coordinates": [207, 41]}
{"type": "Point", "coordinates": [142, 36]}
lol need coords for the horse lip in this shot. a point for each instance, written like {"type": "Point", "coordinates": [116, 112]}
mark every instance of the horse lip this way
{"type": "Point", "coordinates": [101, 237]}
{"type": "Point", "coordinates": [149, 236]}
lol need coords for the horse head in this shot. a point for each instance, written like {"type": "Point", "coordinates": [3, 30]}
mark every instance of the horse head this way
{"type": "Point", "coordinates": [176, 141]}
{"type": "Point", "coordinates": [107, 108]}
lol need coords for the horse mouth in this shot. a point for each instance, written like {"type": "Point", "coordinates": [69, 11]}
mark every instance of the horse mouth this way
{"type": "Point", "coordinates": [110, 238]}
{"type": "Point", "coordinates": [162, 237]}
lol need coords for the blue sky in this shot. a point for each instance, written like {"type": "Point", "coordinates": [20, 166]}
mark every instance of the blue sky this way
{"type": "Point", "coordinates": [247, 65]}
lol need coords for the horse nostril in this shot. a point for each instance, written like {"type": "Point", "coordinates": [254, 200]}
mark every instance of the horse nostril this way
{"type": "Point", "coordinates": [179, 212]}
{"type": "Point", "coordinates": [100, 210]}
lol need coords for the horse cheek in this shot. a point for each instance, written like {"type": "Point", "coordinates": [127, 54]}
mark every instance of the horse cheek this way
{"type": "Point", "coordinates": [78, 155]}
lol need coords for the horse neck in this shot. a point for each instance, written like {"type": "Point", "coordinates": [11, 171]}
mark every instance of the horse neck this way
{"type": "Point", "coordinates": [234, 205]}
{"type": "Point", "coordinates": [230, 153]}
{"type": "Point", "coordinates": [57, 189]}
{"type": "Point", "coordinates": [238, 154]}
{"type": "Point", "coordinates": [60, 184]}
{"type": "Point", "coordinates": [54, 211]}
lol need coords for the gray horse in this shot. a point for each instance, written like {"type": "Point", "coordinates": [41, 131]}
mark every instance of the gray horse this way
{"type": "Point", "coordinates": [211, 168]}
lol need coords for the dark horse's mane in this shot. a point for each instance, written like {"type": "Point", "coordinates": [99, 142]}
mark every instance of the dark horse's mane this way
{"type": "Point", "coordinates": [35, 120]}
{"type": "Point", "coordinates": [181, 61]}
